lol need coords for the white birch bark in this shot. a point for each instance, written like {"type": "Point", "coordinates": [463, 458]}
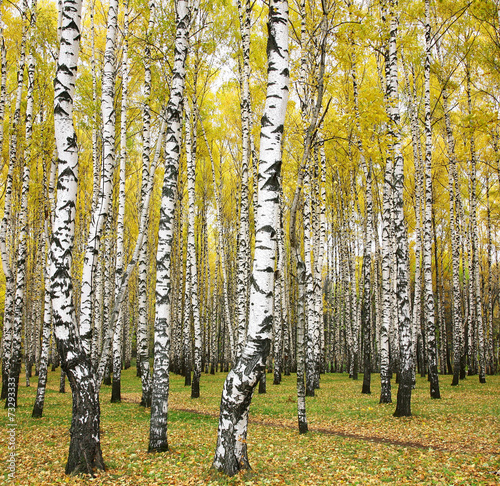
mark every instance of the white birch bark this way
{"type": "Point", "coordinates": [20, 300]}
{"type": "Point", "coordinates": [118, 332]}
{"type": "Point", "coordinates": [99, 216]}
{"type": "Point", "coordinates": [85, 451]}
{"type": "Point", "coordinates": [242, 274]}
{"type": "Point", "coordinates": [160, 386]}
{"type": "Point", "coordinates": [191, 258]}
{"type": "Point", "coordinates": [490, 363]}
{"type": "Point", "coordinates": [427, 254]}
{"type": "Point", "coordinates": [8, 334]}
{"type": "Point", "coordinates": [231, 450]}
{"type": "Point", "coordinates": [47, 315]}
{"type": "Point", "coordinates": [3, 80]}
{"type": "Point", "coordinates": [403, 407]}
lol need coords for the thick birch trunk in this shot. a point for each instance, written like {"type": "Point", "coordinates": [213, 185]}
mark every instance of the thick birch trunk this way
{"type": "Point", "coordinates": [231, 450]}
{"type": "Point", "coordinates": [85, 450]}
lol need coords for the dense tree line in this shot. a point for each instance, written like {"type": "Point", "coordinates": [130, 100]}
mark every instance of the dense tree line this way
{"type": "Point", "coordinates": [163, 201]}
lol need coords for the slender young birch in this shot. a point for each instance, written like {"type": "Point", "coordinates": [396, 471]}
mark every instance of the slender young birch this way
{"type": "Point", "coordinates": [367, 240]}
{"type": "Point", "coordinates": [191, 257]}
{"type": "Point", "coordinates": [85, 450]}
{"type": "Point", "coordinates": [419, 187]}
{"type": "Point", "coordinates": [403, 407]}
{"type": "Point", "coordinates": [476, 301]}
{"type": "Point", "coordinates": [143, 263]}
{"type": "Point", "coordinates": [231, 451]}
{"type": "Point", "coordinates": [428, 288]}
{"type": "Point", "coordinates": [490, 368]}
{"type": "Point", "coordinates": [160, 387]}
{"type": "Point", "coordinates": [96, 167]}
{"type": "Point", "coordinates": [8, 334]}
{"type": "Point", "coordinates": [20, 303]}
{"type": "Point", "coordinates": [3, 79]}
{"type": "Point", "coordinates": [321, 244]}
{"type": "Point", "coordinates": [242, 274]}
{"type": "Point", "coordinates": [279, 300]}
{"type": "Point", "coordinates": [117, 337]}
{"type": "Point", "coordinates": [187, 361]}
{"type": "Point", "coordinates": [47, 316]}
{"type": "Point", "coordinates": [100, 214]}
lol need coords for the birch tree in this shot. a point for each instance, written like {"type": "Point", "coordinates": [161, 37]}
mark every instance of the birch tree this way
{"type": "Point", "coordinates": [20, 301]}
{"type": "Point", "coordinates": [8, 334]}
{"type": "Point", "coordinates": [243, 236]}
{"type": "Point", "coordinates": [231, 450]}
{"type": "Point", "coordinates": [429, 293]}
{"type": "Point", "coordinates": [403, 407]}
{"type": "Point", "coordinates": [85, 450]}
{"type": "Point", "coordinates": [117, 338]}
{"type": "Point", "coordinates": [100, 214]}
{"type": "Point", "coordinates": [160, 383]}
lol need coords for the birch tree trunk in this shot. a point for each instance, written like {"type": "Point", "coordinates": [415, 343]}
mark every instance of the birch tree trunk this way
{"type": "Point", "coordinates": [47, 315]}
{"type": "Point", "coordinates": [429, 293]}
{"type": "Point", "coordinates": [160, 386]}
{"type": "Point", "coordinates": [143, 263]}
{"type": "Point", "coordinates": [231, 451]}
{"type": "Point", "coordinates": [403, 407]}
{"type": "Point", "coordinates": [117, 337]}
{"type": "Point", "coordinates": [100, 215]}
{"type": "Point", "coordinates": [20, 301]}
{"type": "Point", "coordinates": [243, 237]}
{"type": "Point", "coordinates": [191, 258]}
{"type": "Point", "coordinates": [8, 334]}
{"type": "Point", "coordinates": [85, 450]}
{"type": "Point", "coordinates": [3, 80]}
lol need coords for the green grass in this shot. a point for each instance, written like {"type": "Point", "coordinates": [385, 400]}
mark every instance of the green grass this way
{"type": "Point", "coordinates": [458, 436]}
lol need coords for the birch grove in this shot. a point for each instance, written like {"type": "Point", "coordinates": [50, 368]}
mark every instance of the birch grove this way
{"type": "Point", "coordinates": [268, 191]}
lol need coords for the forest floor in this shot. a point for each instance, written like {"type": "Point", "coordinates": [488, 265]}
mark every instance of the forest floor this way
{"type": "Point", "coordinates": [352, 439]}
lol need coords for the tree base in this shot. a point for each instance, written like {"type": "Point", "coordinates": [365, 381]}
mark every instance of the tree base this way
{"type": "Point", "coordinates": [116, 396]}
{"type": "Point", "coordinates": [37, 410]}
{"type": "Point", "coordinates": [83, 460]}
{"type": "Point", "coordinates": [403, 405]}
{"type": "Point", "coordinates": [158, 446]}
{"type": "Point", "coordinates": [195, 388]}
{"type": "Point", "coordinates": [146, 401]}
